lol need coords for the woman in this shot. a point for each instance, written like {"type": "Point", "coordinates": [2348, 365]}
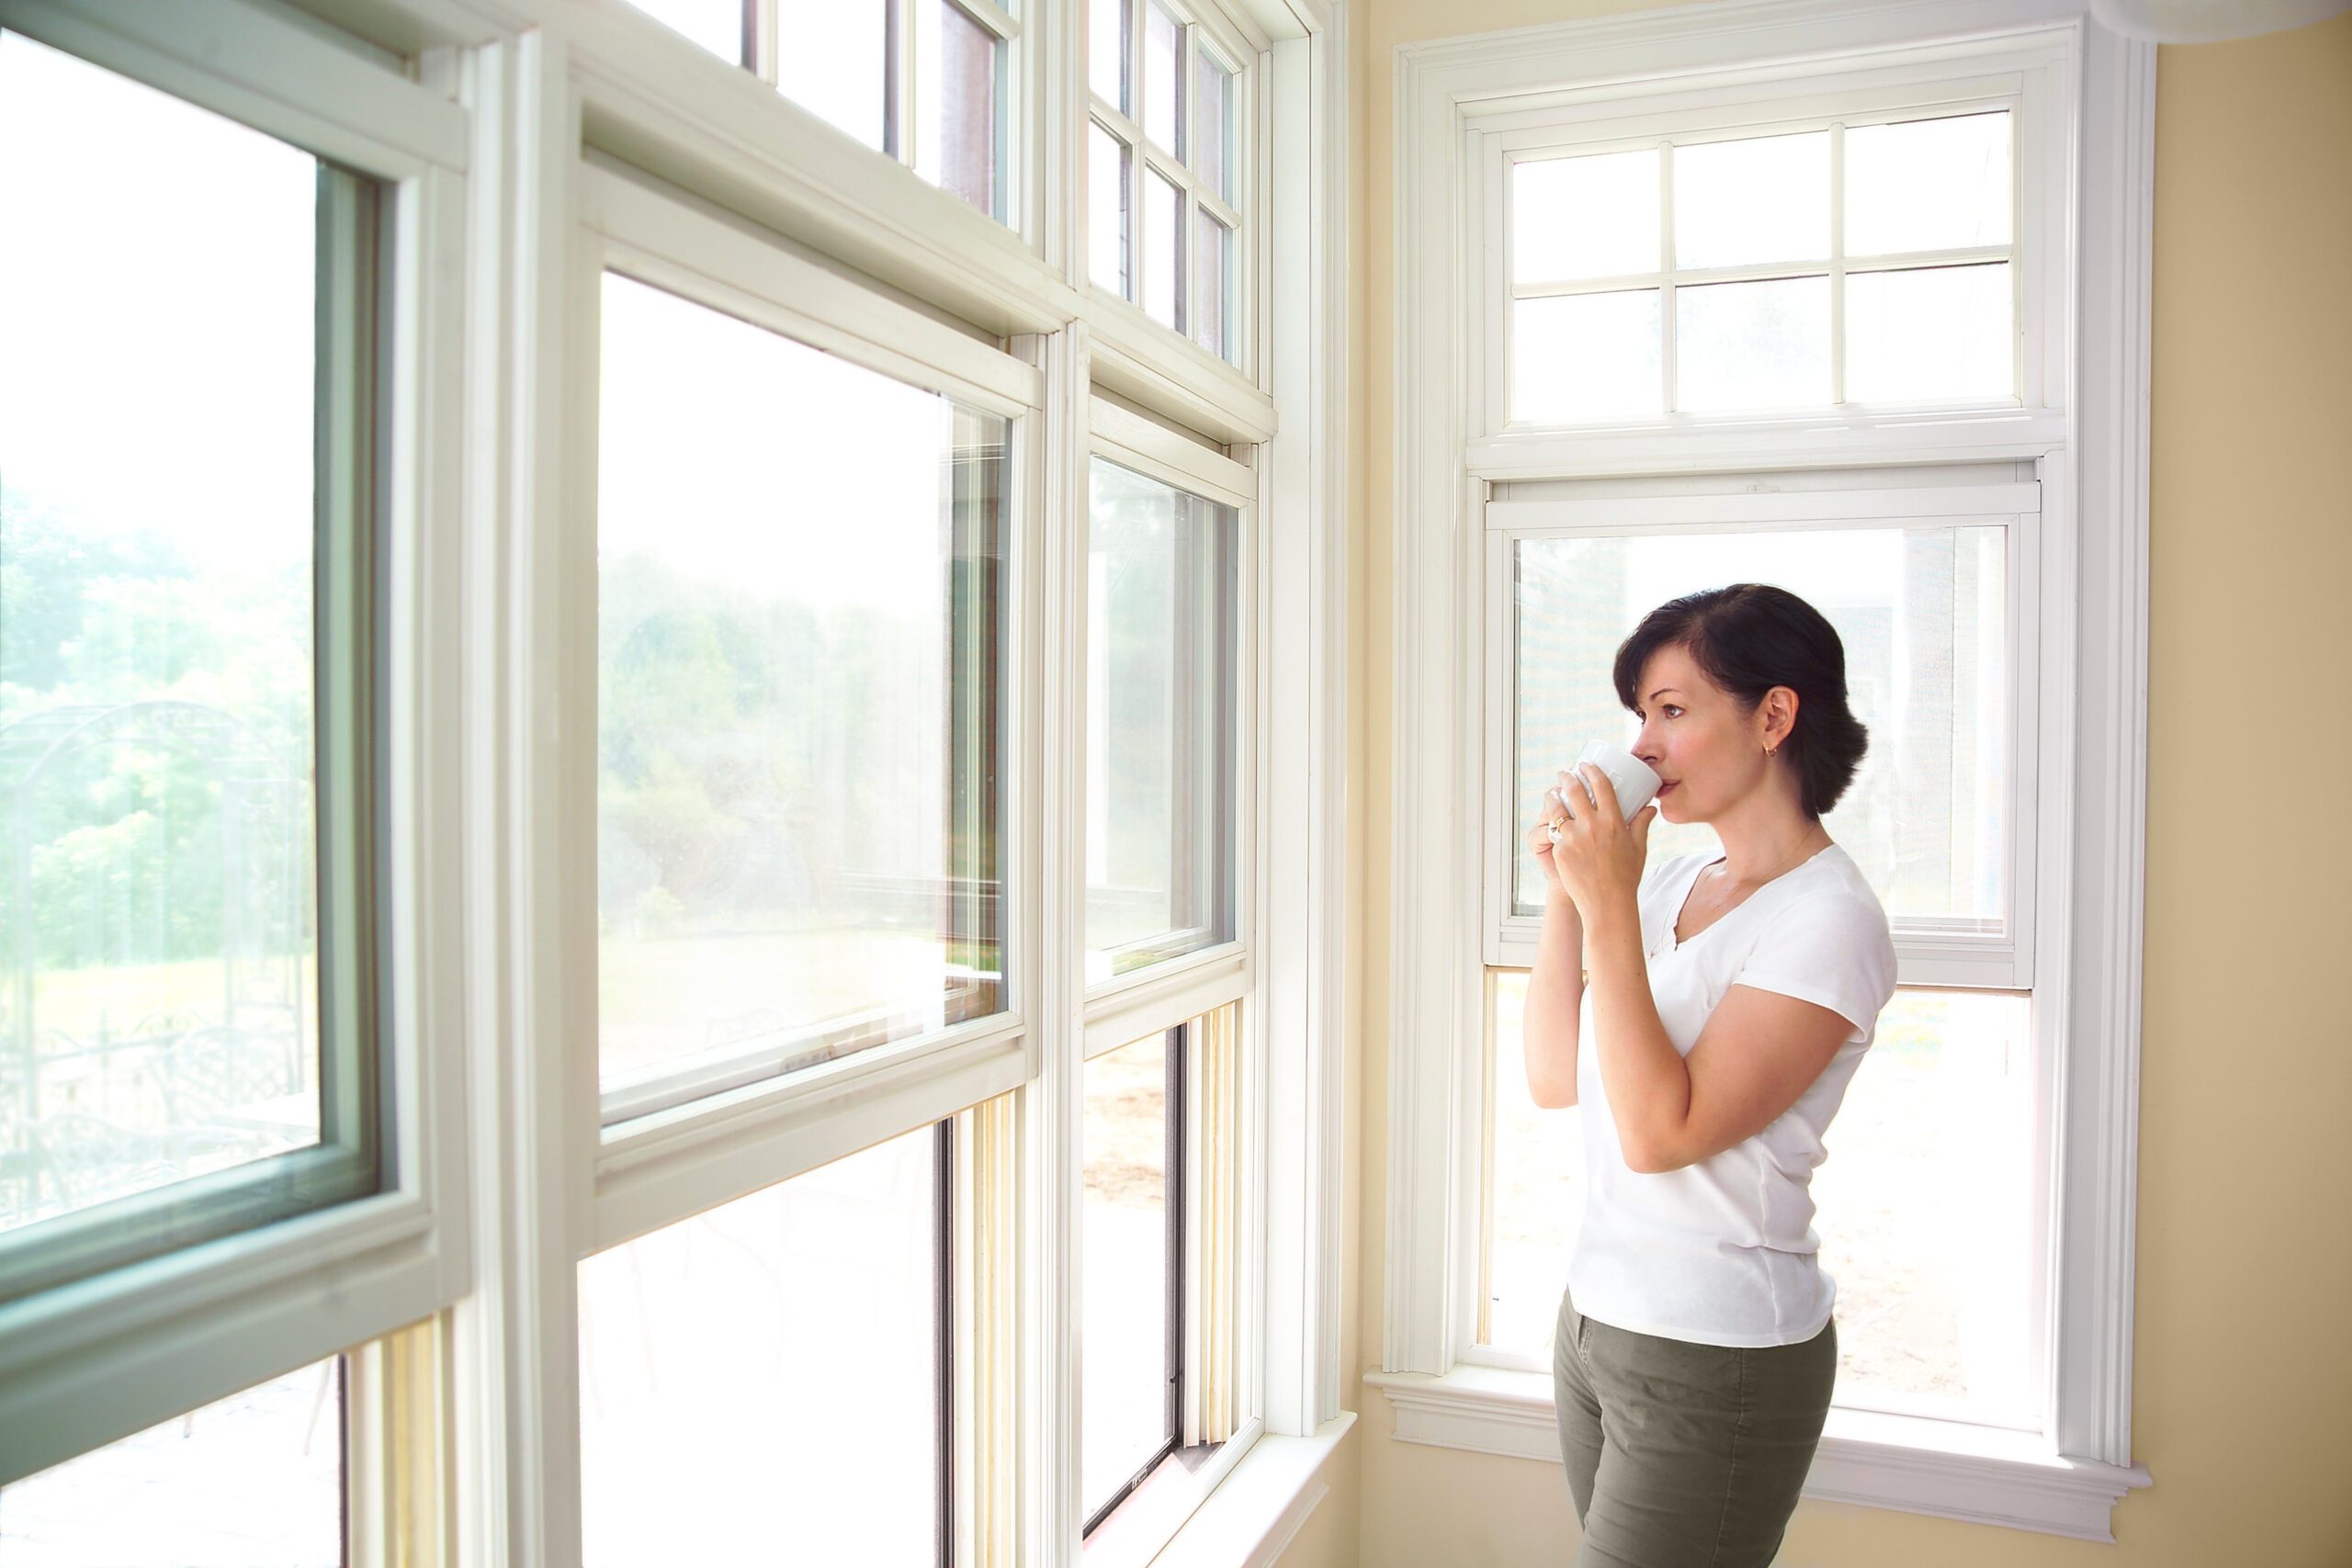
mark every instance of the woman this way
{"type": "Point", "coordinates": [1729, 1001]}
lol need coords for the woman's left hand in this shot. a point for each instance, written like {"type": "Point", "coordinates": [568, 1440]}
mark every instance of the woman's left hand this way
{"type": "Point", "coordinates": [1598, 853]}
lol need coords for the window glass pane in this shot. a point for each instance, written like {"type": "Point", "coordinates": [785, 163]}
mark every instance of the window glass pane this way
{"type": "Point", "coordinates": [1762, 199]}
{"type": "Point", "coordinates": [1163, 253]}
{"type": "Point", "coordinates": [1590, 216]}
{"type": "Point", "coordinates": [797, 730]}
{"type": "Point", "coordinates": [1125, 1209]}
{"type": "Point", "coordinates": [1920, 614]}
{"type": "Point", "coordinates": [716, 25]}
{"type": "Point", "coordinates": [1106, 212]}
{"type": "Point", "coordinates": [1212, 305]}
{"type": "Point", "coordinates": [1928, 184]}
{"type": "Point", "coordinates": [1212, 123]}
{"type": "Point", "coordinates": [1159, 722]}
{"type": "Point", "coordinates": [255, 1481]}
{"type": "Point", "coordinates": [1752, 345]}
{"type": "Point", "coordinates": [1106, 51]}
{"type": "Point", "coordinates": [1535, 1167]}
{"type": "Point", "coordinates": [1930, 332]}
{"type": "Point", "coordinates": [832, 58]}
{"type": "Point", "coordinates": [767, 1372]}
{"type": "Point", "coordinates": [958, 68]}
{"type": "Point", "coordinates": [160, 509]}
{"type": "Point", "coordinates": [1929, 1213]}
{"type": "Point", "coordinates": [1162, 46]}
{"type": "Point", "coordinates": [1585, 356]}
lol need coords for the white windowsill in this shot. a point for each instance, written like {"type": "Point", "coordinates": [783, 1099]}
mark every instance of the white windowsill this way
{"type": "Point", "coordinates": [1979, 1474]}
{"type": "Point", "coordinates": [1260, 1506]}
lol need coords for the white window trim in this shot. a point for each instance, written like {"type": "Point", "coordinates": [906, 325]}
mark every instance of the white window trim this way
{"type": "Point", "coordinates": [90, 1362]}
{"type": "Point", "coordinates": [2090, 443]}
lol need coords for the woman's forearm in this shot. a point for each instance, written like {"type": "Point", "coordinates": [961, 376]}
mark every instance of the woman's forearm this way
{"type": "Point", "coordinates": [1648, 1080]}
{"type": "Point", "coordinates": [1555, 993]}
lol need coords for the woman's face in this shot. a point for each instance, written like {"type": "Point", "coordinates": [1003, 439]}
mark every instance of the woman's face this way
{"type": "Point", "coordinates": [1707, 753]}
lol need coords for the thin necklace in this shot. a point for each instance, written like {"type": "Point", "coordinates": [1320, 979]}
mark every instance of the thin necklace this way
{"type": "Point", "coordinates": [1785, 870]}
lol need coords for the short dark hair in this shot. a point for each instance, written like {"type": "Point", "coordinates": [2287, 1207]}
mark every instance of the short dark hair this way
{"type": "Point", "coordinates": [1751, 637]}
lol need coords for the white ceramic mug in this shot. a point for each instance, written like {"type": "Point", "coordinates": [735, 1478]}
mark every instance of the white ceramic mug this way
{"type": "Point", "coordinates": [1635, 781]}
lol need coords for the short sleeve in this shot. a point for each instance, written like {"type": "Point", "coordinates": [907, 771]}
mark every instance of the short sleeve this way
{"type": "Point", "coordinates": [1833, 951]}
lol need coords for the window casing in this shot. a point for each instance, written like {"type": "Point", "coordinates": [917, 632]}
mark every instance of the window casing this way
{"type": "Point", "coordinates": [1464, 111]}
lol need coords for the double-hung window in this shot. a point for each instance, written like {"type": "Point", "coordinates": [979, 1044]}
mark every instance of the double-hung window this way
{"type": "Point", "coordinates": [1806, 321]}
{"type": "Point", "coordinates": [226, 1062]}
{"type": "Point", "coordinates": [632, 759]}
{"type": "Point", "coordinates": [1169, 702]}
{"type": "Point", "coordinates": [811, 510]}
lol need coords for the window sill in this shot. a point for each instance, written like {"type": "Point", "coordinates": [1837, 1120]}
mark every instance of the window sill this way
{"type": "Point", "coordinates": [1978, 1474]}
{"type": "Point", "coordinates": [1261, 1504]}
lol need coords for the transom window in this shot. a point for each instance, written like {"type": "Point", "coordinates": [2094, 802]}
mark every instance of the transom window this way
{"type": "Point", "coordinates": [1853, 262]}
{"type": "Point", "coordinates": [1163, 156]}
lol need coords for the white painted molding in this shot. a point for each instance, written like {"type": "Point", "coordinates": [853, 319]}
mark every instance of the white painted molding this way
{"type": "Point", "coordinates": [1257, 1511]}
{"type": "Point", "coordinates": [1977, 1475]}
{"type": "Point", "coordinates": [2091, 443]}
{"type": "Point", "coordinates": [2099, 1148]}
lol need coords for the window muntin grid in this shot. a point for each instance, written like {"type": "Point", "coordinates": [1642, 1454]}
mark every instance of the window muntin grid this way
{"type": "Point", "coordinates": [1174, 128]}
{"type": "Point", "coordinates": [1603, 322]}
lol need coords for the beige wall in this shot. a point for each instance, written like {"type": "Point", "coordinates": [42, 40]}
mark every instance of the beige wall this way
{"type": "Point", "coordinates": [2243, 1374]}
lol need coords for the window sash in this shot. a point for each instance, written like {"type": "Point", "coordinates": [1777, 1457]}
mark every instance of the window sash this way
{"type": "Point", "coordinates": [1198, 203]}
{"type": "Point", "coordinates": [1931, 951]}
{"type": "Point", "coordinates": [1576, 126]}
{"type": "Point", "coordinates": [224, 1313]}
{"type": "Point", "coordinates": [644, 235]}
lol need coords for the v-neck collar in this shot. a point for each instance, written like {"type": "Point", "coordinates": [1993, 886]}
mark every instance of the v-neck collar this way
{"type": "Point", "coordinates": [1675, 943]}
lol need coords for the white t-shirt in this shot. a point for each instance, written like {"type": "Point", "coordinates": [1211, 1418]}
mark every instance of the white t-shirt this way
{"type": "Point", "coordinates": [1723, 1252]}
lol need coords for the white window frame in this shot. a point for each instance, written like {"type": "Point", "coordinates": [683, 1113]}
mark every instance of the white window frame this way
{"type": "Point", "coordinates": [2080, 431]}
{"type": "Point", "coordinates": [1166, 994]}
{"type": "Point", "coordinates": [1239, 45]}
{"type": "Point", "coordinates": [504, 122]}
{"type": "Point", "coordinates": [1004, 25]}
{"type": "Point", "coordinates": [86, 1363]}
{"type": "Point", "coordinates": [1130, 352]}
{"type": "Point", "coordinates": [778, 193]}
{"type": "Point", "coordinates": [2027, 79]}
{"type": "Point", "coordinates": [709, 1134]}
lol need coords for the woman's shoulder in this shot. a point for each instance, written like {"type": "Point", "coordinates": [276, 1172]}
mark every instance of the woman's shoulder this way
{"type": "Point", "coordinates": [1836, 896]}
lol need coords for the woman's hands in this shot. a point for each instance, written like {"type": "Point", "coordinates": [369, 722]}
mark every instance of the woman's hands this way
{"type": "Point", "coordinates": [1597, 858]}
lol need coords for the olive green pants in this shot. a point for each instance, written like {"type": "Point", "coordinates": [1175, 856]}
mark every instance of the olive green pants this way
{"type": "Point", "coordinates": [1683, 1455]}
